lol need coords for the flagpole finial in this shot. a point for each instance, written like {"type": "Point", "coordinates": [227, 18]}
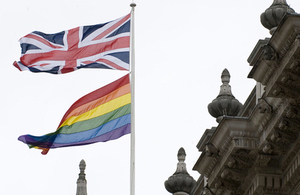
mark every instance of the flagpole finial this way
{"type": "Point", "coordinates": [132, 4]}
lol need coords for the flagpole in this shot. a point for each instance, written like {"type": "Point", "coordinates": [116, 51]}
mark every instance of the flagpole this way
{"type": "Point", "coordinates": [132, 84]}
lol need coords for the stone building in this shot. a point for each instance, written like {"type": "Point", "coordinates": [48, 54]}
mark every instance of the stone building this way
{"type": "Point", "coordinates": [255, 148]}
{"type": "Point", "coordinates": [81, 181]}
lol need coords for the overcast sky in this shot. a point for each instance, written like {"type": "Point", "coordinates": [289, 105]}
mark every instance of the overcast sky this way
{"type": "Point", "coordinates": [181, 49]}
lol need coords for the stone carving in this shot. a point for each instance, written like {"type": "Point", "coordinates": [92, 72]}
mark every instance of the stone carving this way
{"type": "Point", "coordinates": [264, 106]}
{"type": "Point", "coordinates": [276, 137]}
{"type": "Point", "coordinates": [289, 124]}
{"type": "Point", "coordinates": [241, 161]}
{"type": "Point", "coordinates": [231, 163]}
{"type": "Point", "coordinates": [180, 181]}
{"type": "Point", "coordinates": [290, 77]}
{"type": "Point", "coordinates": [263, 160]}
{"type": "Point", "coordinates": [284, 136]}
{"type": "Point", "coordinates": [275, 148]}
{"type": "Point", "coordinates": [230, 185]}
{"type": "Point", "coordinates": [246, 142]}
{"type": "Point", "coordinates": [210, 150]}
{"type": "Point", "coordinates": [295, 65]}
{"type": "Point", "coordinates": [293, 111]}
{"type": "Point", "coordinates": [233, 174]}
{"type": "Point", "coordinates": [274, 14]}
{"type": "Point", "coordinates": [282, 90]}
{"type": "Point", "coordinates": [268, 149]}
{"type": "Point", "coordinates": [269, 53]}
{"type": "Point", "coordinates": [225, 104]}
{"type": "Point", "coordinates": [288, 84]}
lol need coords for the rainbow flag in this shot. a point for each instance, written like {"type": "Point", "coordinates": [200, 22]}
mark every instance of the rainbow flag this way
{"type": "Point", "coordinates": [100, 116]}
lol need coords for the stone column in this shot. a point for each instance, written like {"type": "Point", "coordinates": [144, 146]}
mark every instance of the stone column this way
{"type": "Point", "coordinates": [81, 181]}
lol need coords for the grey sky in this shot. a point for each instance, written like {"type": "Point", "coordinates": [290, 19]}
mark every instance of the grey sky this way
{"type": "Point", "coordinates": [181, 49]}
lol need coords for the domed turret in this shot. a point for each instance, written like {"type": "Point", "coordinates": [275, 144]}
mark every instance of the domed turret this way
{"type": "Point", "coordinates": [225, 104]}
{"type": "Point", "coordinates": [271, 18]}
{"type": "Point", "coordinates": [180, 182]}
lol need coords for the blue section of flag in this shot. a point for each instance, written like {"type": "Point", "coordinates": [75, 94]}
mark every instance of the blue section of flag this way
{"type": "Point", "coordinates": [87, 30]}
{"type": "Point", "coordinates": [124, 56]}
{"type": "Point", "coordinates": [25, 47]}
{"type": "Point", "coordinates": [56, 38]}
{"type": "Point", "coordinates": [124, 28]}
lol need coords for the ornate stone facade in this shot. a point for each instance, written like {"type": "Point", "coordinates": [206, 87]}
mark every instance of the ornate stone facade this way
{"type": "Point", "coordinates": [257, 151]}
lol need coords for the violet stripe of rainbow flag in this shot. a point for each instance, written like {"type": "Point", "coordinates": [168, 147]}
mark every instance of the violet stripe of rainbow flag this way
{"type": "Point", "coordinates": [102, 115]}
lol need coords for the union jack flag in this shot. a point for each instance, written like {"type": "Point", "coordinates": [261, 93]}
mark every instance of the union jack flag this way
{"type": "Point", "coordinates": [96, 46]}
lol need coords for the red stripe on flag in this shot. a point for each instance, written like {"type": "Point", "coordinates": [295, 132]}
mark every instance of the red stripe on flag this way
{"type": "Point", "coordinates": [111, 64]}
{"type": "Point", "coordinates": [78, 53]}
{"type": "Point", "coordinates": [67, 70]}
{"type": "Point", "coordinates": [97, 94]}
{"type": "Point", "coordinates": [123, 90]}
{"type": "Point", "coordinates": [73, 38]}
{"type": "Point", "coordinates": [87, 62]}
{"type": "Point", "coordinates": [17, 66]}
{"type": "Point", "coordinates": [112, 28]}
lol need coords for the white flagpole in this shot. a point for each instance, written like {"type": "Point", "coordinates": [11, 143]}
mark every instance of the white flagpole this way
{"type": "Point", "coordinates": [132, 84]}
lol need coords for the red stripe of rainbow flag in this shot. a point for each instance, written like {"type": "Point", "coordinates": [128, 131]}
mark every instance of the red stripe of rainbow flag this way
{"type": "Point", "coordinates": [102, 115]}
